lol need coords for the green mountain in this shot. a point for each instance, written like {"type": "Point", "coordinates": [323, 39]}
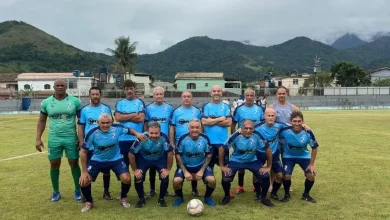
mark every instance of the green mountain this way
{"type": "Point", "coordinates": [348, 41]}
{"type": "Point", "coordinates": [24, 48]}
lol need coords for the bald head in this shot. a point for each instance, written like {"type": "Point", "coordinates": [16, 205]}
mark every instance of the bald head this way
{"type": "Point", "coordinates": [60, 88]}
{"type": "Point", "coordinates": [249, 97]}
{"type": "Point", "coordinates": [216, 94]}
{"type": "Point", "coordinates": [270, 116]}
{"type": "Point", "coordinates": [61, 81]}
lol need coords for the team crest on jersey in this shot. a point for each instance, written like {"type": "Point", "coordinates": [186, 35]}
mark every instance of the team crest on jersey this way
{"type": "Point", "coordinates": [165, 109]}
{"type": "Point", "coordinates": [69, 105]}
{"type": "Point", "coordinates": [303, 139]}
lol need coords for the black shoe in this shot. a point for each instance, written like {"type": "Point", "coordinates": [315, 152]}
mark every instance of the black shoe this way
{"type": "Point", "coordinates": [286, 198]}
{"type": "Point", "coordinates": [161, 203]}
{"type": "Point", "coordinates": [308, 198]}
{"type": "Point", "coordinates": [151, 193]}
{"type": "Point", "coordinates": [140, 203]}
{"type": "Point", "coordinates": [172, 195]}
{"type": "Point", "coordinates": [225, 200]}
{"type": "Point", "coordinates": [274, 196]}
{"type": "Point", "coordinates": [196, 193]}
{"type": "Point", "coordinates": [107, 196]}
{"type": "Point", "coordinates": [267, 202]}
{"type": "Point", "coordinates": [258, 196]}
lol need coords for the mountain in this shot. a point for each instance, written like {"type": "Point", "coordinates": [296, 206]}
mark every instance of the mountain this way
{"type": "Point", "coordinates": [348, 41]}
{"type": "Point", "coordinates": [25, 48]}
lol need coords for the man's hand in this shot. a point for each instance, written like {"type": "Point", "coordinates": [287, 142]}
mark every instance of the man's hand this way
{"type": "Point", "coordinates": [226, 170]}
{"type": "Point", "coordinates": [239, 130]}
{"type": "Point", "coordinates": [79, 145]}
{"type": "Point", "coordinates": [223, 118]}
{"type": "Point", "coordinates": [199, 174]}
{"type": "Point", "coordinates": [264, 170]}
{"type": "Point", "coordinates": [39, 145]}
{"type": "Point", "coordinates": [140, 136]}
{"type": "Point", "coordinates": [187, 176]}
{"type": "Point", "coordinates": [85, 179]}
{"type": "Point", "coordinates": [312, 169]}
{"type": "Point", "coordinates": [307, 128]}
{"type": "Point", "coordinates": [138, 174]}
{"type": "Point", "coordinates": [164, 173]}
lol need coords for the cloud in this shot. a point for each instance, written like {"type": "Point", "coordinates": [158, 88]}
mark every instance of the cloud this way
{"type": "Point", "coordinates": [157, 24]}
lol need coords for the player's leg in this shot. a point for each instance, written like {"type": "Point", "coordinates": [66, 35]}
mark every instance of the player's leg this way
{"type": "Point", "coordinates": [93, 172]}
{"type": "Point", "coordinates": [106, 185]}
{"type": "Point", "coordinates": [164, 182]}
{"type": "Point", "coordinates": [178, 180]}
{"type": "Point", "coordinates": [209, 180]}
{"type": "Point", "coordinates": [55, 152]}
{"type": "Point", "coordinates": [309, 182]}
{"type": "Point", "coordinates": [288, 167]}
{"type": "Point", "coordinates": [240, 187]}
{"type": "Point", "coordinates": [124, 150]}
{"type": "Point", "coordinates": [261, 157]}
{"type": "Point", "coordinates": [122, 172]}
{"type": "Point", "coordinates": [152, 180]}
{"type": "Point", "coordinates": [227, 179]}
{"type": "Point", "coordinates": [278, 176]}
{"type": "Point", "coordinates": [139, 182]}
{"type": "Point", "coordinates": [72, 154]}
{"type": "Point", "coordinates": [262, 182]}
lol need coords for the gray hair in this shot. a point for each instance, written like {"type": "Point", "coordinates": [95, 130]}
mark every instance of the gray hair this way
{"type": "Point", "coordinates": [249, 89]}
{"type": "Point", "coordinates": [154, 124]}
{"type": "Point", "coordinates": [195, 120]}
{"type": "Point", "coordinates": [158, 88]}
{"type": "Point", "coordinates": [105, 115]}
{"type": "Point", "coordinates": [248, 120]}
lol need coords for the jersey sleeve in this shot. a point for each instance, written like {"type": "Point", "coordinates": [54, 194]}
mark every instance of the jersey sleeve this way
{"type": "Point", "coordinates": [136, 147]}
{"type": "Point", "coordinates": [88, 143]}
{"type": "Point", "coordinates": [141, 107]}
{"type": "Point", "coordinates": [118, 107]}
{"type": "Point", "coordinates": [262, 143]}
{"type": "Point", "coordinates": [236, 117]}
{"type": "Point", "coordinates": [147, 115]}
{"type": "Point", "coordinates": [312, 140]}
{"type": "Point", "coordinates": [205, 112]}
{"type": "Point", "coordinates": [230, 142]}
{"type": "Point", "coordinates": [173, 119]}
{"type": "Point", "coordinates": [226, 112]}
{"type": "Point", "coordinates": [43, 107]}
{"type": "Point", "coordinates": [199, 114]}
{"type": "Point", "coordinates": [78, 104]}
{"type": "Point", "coordinates": [82, 118]}
{"type": "Point", "coordinates": [167, 144]}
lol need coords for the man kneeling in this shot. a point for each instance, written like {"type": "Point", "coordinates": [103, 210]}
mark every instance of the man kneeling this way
{"type": "Point", "coordinates": [244, 156]}
{"type": "Point", "coordinates": [156, 153]}
{"type": "Point", "coordinates": [193, 155]}
{"type": "Point", "coordinates": [103, 140]}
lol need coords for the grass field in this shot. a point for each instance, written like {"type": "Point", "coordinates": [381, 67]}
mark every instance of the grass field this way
{"type": "Point", "coordinates": [352, 182]}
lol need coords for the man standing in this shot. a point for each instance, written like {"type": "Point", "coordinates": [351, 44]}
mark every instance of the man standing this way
{"type": "Point", "coordinates": [103, 141]}
{"type": "Point", "coordinates": [295, 152]}
{"type": "Point", "coordinates": [156, 153]}
{"type": "Point", "coordinates": [130, 113]}
{"type": "Point", "coordinates": [89, 116]}
{"type": "Point", "coordinates": [251, 111]}
{"type": "Point", "coordinates": [180, 119]}
{"type": "Point", "coordinates": [157, 111]}
{"type": "Point", "coordinates": [193, 156]}
{"type": "Point", "coordinates": [62, 109]}
{"type": "Point", "coordinates": [244, 156]}
{"type": "Point", "coordinates": [282, 107]}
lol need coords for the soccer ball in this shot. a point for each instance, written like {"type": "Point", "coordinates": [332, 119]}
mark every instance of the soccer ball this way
{"type": "Point", "coordinates": [195, 207]}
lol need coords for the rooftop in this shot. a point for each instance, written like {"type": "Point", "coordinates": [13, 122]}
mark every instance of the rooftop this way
{"type": "Point", "coordinates": [8, 77]}
{"type": "Point", "coordinates": [39, 76]}
{"type": "Point", "coordinates": [199, 75]}
{"type": "Point", "coordinates": [377, 70]}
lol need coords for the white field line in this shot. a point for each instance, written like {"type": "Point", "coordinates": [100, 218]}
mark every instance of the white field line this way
{"type": "Point", "coordinates": [26, 155]}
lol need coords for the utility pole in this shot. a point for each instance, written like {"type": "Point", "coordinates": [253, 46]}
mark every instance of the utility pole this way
{"type": "Point", "coordinates": [317, 68]}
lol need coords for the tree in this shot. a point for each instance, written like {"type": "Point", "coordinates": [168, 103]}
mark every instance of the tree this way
{"type": "Point", "coordinates": [349, 75]}
{"type": "Point", "coordinates": [382, 82]}
{"type": "Point", "coordinates": [125, 54]}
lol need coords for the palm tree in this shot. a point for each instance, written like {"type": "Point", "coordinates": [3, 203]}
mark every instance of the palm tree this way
{"type": "Point", "coordinates": [125, 54]}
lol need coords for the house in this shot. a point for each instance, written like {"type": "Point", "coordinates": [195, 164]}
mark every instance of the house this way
{"type": "Point", "coordinates": [166, 85]}
{"type": "Point", "coordinates": [203, 81]}
{"type": "Point", "coordinates": [381, 73]}
{"type": "Point", "coordinates": [144, 82]}
{"type": "Point", "coordinates": [8, 84]}
{"type": "Point", "coordinates": [292, 83]}
{"type": "Point", "coordinates": [77, 86]}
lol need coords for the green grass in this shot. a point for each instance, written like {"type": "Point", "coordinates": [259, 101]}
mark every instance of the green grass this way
{"type": "Point", "coordinates": [352, 180]}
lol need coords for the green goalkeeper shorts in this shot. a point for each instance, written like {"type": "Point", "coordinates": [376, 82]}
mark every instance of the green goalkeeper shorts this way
{"type": "Point", "coordinates": [57, 145]}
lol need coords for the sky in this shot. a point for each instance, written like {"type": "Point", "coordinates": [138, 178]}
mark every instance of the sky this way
{"type": "Point", "coordinates": [93, 25]}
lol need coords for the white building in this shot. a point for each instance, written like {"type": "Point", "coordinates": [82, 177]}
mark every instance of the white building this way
{"type": "Point", "coordinates": [77, 86]}
{"type": "Point", "coordinates": [292, 83]}
{"type": "Point", "coordinates": [143, 80]}
{"type": "Point", "coordinates": [381, 73]}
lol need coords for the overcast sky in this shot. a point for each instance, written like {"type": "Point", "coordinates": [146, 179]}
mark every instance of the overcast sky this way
{"type": "Point", "coordinates": [93, 25]}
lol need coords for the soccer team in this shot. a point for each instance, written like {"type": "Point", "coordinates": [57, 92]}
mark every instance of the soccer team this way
{"type": "Point", "coordinates": [148, 138]}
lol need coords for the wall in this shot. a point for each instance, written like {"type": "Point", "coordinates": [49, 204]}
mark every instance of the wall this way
{"type": "Point", "coordinates": [200, 84]}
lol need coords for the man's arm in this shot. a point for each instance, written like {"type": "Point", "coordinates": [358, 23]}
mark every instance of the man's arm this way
{"type": "Point", "coordinates": [140, 117]}
{"type": "Point", "coordinates": [169, 160]}
{"type": "Point", "coordinates": [172, 136]}
{"type": "Point", "coordinates": [133, 164]}
{"type": "Point", "coordinates": [227, 122]}
{"type": "Point", "coordinates": [180, 162]}
{"type": "Point", "coordinates": [294, 108]}
{"type": "Point", "coordinates": [269, 157]}
{"type": "Point", "coordinates": [119, 117]}
{"type": "Point", "coordinates": [145, 125]}
{"type": "Point", "coordinates": [80, 134]}
{"type": "Point", "coordinates": [211, 121]}
{"type": "Point", "coordinates": [233, 127]}
{"type": "Point", "coordinates": [313, 156]}
{"type": "Point", "coordinates": [271, 106]}
{"type": "Point", "coordinates": [83, 160]}
{"type": "Point", "coordinates": [41, 124]}
{"type": "Point", "coordinates": [207, 161]}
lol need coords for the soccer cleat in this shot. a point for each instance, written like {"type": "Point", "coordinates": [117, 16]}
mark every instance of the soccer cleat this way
{"type": "Point", "coordinates": [286, 198]}
{"type": "Point", "coordinates": [178, 201]}
{"type": "Point", "coordinates": [77, 195]}
{"type": "Point", "coordinates": [274, 196]}
{"type": "Point", "coordinates": [258, 196]}
{"type": "Point", "coordinates": [107, 196]}
{"type": "Point", "coordinates": [125, 203]}
{"type": "Point", "coordinates": [87, 207]}
{"type": "Point", "coordinates": [225, 200]}
{"type": "Point", "coordinates": [172, 195]}
{"type": "Point", "coordinates": [209, 201]}
{"type": "Point", "coordinates": [140, 203]}
{"type": "Point", "coordinates": [267, 202]}
{"type": "Point", "coordinates": [253, 189]}
{"type": "Point", "coordinates": [240, 190]}
{"type": "Point", "coordinates": [161, 203]}
{"type": "Point", "coordinates": [56, 196]}
{"type": "Point", "coordinates": [270, 189]}
{"type": "Point", "coordinates": [231, 193]}
{"type": "Point", "coordinates": [308, 198]}
{"type": "Point", "coordinates": [196, 193]}
{"type": "Point", "coordinates": [151, 193]}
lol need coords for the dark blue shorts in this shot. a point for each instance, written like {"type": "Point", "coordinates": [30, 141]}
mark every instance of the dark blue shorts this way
{"type": "Point", "coordinates": [261, 157]}
{"type": "Point", "coordinates": [289, 163]}
{"type": "Point", "coordinates": [89, 156]}
{"type": "Point", "coordinates": [207, 172]}
{"type": "Point", "coordinates": [145, 165]}
{"type": "Point", "coordinates": [118, 166]}
{"type": "Point", "coordinates": [254, 167]}
{"type": "Point", "coordinates": [276, 163]}
{"type": "Point", "coordinates": [125, 149]}
{"type": "Point", "coordinates": [215, 152]}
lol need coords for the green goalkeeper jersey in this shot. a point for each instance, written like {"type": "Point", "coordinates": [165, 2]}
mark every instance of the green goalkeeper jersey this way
{"type": "Point", "coordinates": [62, 115]}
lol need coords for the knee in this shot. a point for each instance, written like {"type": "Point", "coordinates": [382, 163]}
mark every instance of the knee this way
{"type": "Point", "coordinates": [136, 180]}
{"type": "Point", "coordinates": [278, 176]}
{"type": "Point", "coordinates": [210, 180]}
{"type": "Point", "coordinates": [126, 179]}
{"type": "Point", "coordinates": [264, 176]}
{"type": "Point", "coordinates": [177, 180]}
{"type": "Point", "coordinates": [73, 162]}
{"type": "Point", "coordinates": [165, 180]}
{"type": "Point", "coordinates": [55, 164]}
{"type": "Point", "coordinates": [226, 179]}
{"type": "Point", "coordinates": [287, 177]}
{"type": "Point", "coordinates": [85, 184]}
{"type": "Point", "coordinates": [310, 177]}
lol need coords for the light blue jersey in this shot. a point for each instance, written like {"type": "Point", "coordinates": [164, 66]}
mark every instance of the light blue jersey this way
{"type": "Point", "coordinates": [270, 134]}
{"type": "Point", "coordinates": [242, 112]}
{"type": "Point", "coordinates": [89, 116]}
{"type": "Point", "coordinates": [159, 113]}
{"type": "Point", "coordinates": [217, 134]}
{"type": "Point", "coordinates": [152, 150]}
{"type": "Point", "coordinates": [125, 106]}
{"type": "Point", "coordinates": [193, 153]}
{"type": "Point", "coordinates": [244, 149]}
{"type": "Point", "coordinates": [181, 117]}
{"type": "Point", "coordinates": [295, 145]}
{"type": "Point", "coordinates": [105, 145]}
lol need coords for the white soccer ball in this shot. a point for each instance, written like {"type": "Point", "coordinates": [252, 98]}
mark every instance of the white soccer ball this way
{"type": "Point", "coordinates": [195, 207]}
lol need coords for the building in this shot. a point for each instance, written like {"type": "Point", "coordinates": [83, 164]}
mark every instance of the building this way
{"type": "Point", "coordinates": [292, 83]}
{"type": "Point", "coordinates": [144, 82]}
{"type": "Point", "coordinates": [77, 86]}
{"type": "Point", "coordinates": [8, 84]}
{"type": "Point", "coordinates": [381, 73]}
{"type": "Point", "coordinates": [202, 82]}
{"type": "Point", "coordinates": [166, 85]}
